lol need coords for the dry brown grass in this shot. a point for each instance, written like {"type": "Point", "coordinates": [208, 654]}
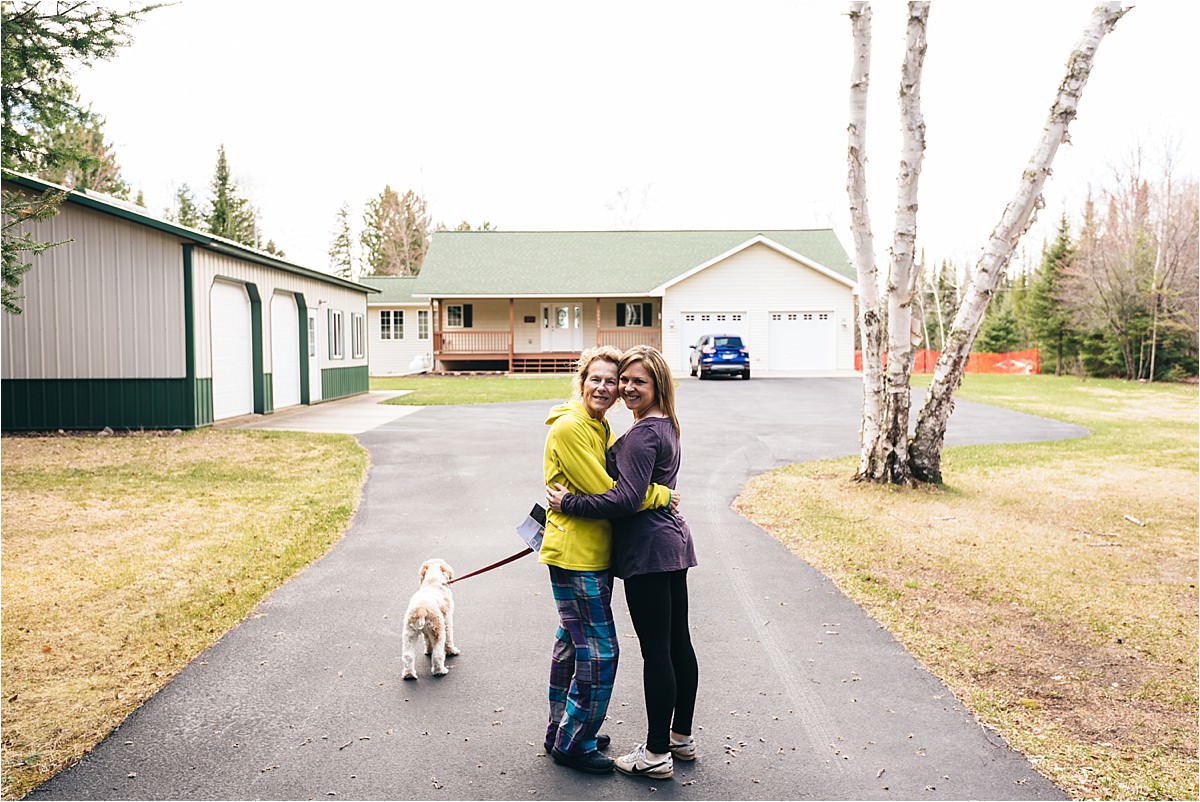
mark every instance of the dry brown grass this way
{"type": "Point", "coordinates": [125, 557]}
{"type": "Point", "coordinates": [1060, 623]}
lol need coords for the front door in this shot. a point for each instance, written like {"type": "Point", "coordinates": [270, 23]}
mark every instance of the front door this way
{"type": "Point", "coordinates": [562, 327]}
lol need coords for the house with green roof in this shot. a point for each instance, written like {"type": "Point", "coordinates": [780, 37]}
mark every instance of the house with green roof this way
{"type": "Point", "coordinates": [400, 326]}
{"type": "Point", "coordinates": [532, 301]}
{"type": "Point", "coordinates": [134, 322]}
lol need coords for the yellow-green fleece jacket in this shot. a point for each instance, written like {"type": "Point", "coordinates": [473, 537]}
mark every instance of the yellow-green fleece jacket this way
{"type": "Point", "coordinates": [574, 457]}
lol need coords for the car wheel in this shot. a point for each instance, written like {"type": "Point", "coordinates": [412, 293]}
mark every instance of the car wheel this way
{"type": "Point", "coordinates": [702, 375]}
{"type": "Point", "coordinates": [746, 374]}
{"type": "Point", "coordinates": [693, 372]}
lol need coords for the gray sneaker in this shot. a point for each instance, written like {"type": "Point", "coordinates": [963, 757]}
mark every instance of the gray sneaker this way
{"type": "Point", "coordinates": [685, 750]}
{"type": "Point", "coordinates": [636, 764]}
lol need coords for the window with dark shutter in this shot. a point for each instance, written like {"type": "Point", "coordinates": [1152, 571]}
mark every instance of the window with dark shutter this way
{"type": "Point", "coordinates": [620, 316]}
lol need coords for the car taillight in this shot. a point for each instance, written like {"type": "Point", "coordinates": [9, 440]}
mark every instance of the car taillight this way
{"type": "Point", "coordinates": [708, 349]}
{"type": "Point", "coordinates": [743, 350]}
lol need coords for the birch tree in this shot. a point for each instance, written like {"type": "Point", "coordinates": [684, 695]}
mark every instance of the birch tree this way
{"type": "Point", "coordinates": [888, 454]}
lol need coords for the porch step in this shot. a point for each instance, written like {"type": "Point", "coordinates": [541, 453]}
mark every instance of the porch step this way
{"type": "Point", "coordinates": [543, 363]}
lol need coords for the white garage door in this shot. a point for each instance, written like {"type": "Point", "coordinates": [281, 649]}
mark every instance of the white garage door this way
{"type": "Point", "coordinates": [694, 325]}
{"type": "Point", "coordinates": [232, 346]}
{"type": "Point", "coordinates": [802, 341]}
{"type": "Point", "coordinates": [285, 351]}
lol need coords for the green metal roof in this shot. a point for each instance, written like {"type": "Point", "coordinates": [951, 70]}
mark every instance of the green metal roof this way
{"type": "Point", "coordinates": [138, 214]}
{"type": "Point", "coordinates": [612, 263]}
{"type": "Point", "coordinates": [392, 289]}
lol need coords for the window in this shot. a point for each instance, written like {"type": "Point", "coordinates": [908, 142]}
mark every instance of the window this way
{"type": "Point", "coordinates": [391, 324]}
{"type": "Point", "coordinates": [635, 315]}
{"type": "Point", "coordinates": [422, 324]}
{"type": "Point", "coordinates": [358, 331]}
{"type": "Point", "coordinates": [337, 345]}
{"type": "Point", "coordinates": [312, 335]}
{"type": "Point", "coordinates": [458, 316]}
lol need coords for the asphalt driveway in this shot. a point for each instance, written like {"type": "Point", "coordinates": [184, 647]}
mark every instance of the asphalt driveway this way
{"type": "Point", "coordinates": [802, 695]}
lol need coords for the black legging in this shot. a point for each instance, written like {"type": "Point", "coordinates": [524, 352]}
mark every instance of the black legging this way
{"type": "Point", "coordinates": [658, 605]}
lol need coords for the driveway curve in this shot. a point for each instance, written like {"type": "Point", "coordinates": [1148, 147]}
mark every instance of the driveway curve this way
{"type": "Point", "coordinates": [802, 695]}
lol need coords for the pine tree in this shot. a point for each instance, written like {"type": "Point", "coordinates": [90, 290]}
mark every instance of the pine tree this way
{"type": "Point", "coordinates": [83, 160]}
{"type": "Point", "coordinates": [229, 214]}
{"type": "Point", "coordinates": [40, 45]}
{"type": "Point", "coordinates": [341, 250]}
{"type": "Point", "coordinates": [186, 211]}
{"type": "Point", "coordinates": [1047, 315]}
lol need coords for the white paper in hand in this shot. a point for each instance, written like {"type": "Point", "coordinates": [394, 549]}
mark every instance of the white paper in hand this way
{"type": "Point", "coordinates": [532, 527]}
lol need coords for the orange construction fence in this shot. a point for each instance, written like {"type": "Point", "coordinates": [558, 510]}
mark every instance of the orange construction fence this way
{"type": "Point", "coordinates": [1017, 362]}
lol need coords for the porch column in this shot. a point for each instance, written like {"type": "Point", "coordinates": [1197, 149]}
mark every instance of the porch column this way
{"type": "Point", "coordinates": [512, 331]}
{"type": "Point", "coordinates": [436, 309]}
{"type": "Point", "coordinates": [598, 343]}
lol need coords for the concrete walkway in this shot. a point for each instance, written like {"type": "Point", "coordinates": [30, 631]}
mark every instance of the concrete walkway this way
{"type": "Point", "coordinates": [802, 695]}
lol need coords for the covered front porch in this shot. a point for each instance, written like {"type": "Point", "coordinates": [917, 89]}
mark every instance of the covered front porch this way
{"type": "Point", "coordinates": [541, 336]}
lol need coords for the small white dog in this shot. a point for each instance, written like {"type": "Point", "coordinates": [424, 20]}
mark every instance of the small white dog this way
{"type": "Point", "coordinates": [430, 618]}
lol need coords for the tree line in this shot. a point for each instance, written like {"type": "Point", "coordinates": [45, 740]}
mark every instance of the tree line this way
{"type": "Point", "coordinates": [1117, 297]}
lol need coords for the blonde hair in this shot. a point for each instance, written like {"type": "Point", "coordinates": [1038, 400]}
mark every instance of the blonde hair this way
{"type": "Point", "coordinates": [604, 352]}
{"type": "Point", "coordinates": [660, 374]}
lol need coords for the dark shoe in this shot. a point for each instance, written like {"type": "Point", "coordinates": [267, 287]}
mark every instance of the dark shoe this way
{"type": "Point", "coordinates": [602, 742]}
{"type": "Point", "coordinates": [588, 762]}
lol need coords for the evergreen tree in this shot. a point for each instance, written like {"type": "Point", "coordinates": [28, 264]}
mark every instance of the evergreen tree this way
{"type": "Point", "coordinates": [186, 211]}
{"type": "Point", "coordinates": [84, 160]}
{"type": "Point", "coordinates": [229, 214]}
{"type": "Point", "coordinates": [18, 208]}
{"type": "Point", "coordinates": [40, 44]}
{"type": "Point", "coordinates": [999, 333]}
{"type": "Point", "coordinates": [341, 250]}
{"type": "Point", "coordinates": [1046, 314]}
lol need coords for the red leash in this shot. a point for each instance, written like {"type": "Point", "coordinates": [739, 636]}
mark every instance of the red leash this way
{"type": "Point", "coordinates": [530, 531]}
{"type": "Point", "coordinates": [505, 561]}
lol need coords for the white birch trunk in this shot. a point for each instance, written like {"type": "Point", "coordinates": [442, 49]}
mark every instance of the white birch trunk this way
{"type": "Point", "coordinates": [902, 276]}
{"type": "Point", "coordinates": [870, 321]}
{"type": "Point", "coordinates": [926, 449]}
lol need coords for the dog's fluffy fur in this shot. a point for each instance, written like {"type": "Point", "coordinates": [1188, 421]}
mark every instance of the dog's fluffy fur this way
{"type": "Point", "coordinates": [430, 618]}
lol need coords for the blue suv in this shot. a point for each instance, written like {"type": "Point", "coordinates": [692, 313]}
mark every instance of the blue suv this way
{"type": "Point", "coordinates": [720, 353]}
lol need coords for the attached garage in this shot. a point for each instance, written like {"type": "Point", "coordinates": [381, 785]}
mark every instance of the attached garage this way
{"type": "Point", "coordinates": [285, 350]}
{"type": "Point", "coordinates": [802, 340]}
{"type": "Point", "coordinates": [695, 325]}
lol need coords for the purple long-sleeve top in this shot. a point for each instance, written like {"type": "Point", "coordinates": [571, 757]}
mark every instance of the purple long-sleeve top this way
{"type": "Point", "coordinates": [651, 541]}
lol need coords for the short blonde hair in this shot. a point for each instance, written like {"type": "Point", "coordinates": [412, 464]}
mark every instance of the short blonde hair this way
{"type": "Point", "coordinates": [600, 352]}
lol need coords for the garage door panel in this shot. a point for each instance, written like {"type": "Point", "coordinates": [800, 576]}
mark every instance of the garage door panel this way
{"type": "Point", "coordinates": [694, 325]}
{"type": "Point", "coordinates": [802, 340]}
{"type": "Point", "coordinates": [285, 351]}
{"type": "Point", "coordinates": [232, 351]}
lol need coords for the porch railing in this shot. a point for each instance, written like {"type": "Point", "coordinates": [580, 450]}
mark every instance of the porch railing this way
{"type": "Point", "coordinates": [477, 341]}
{"type": "Point", "coordinates": [474, 341]}
{"type": "Point", "coordinates": [629, 337]}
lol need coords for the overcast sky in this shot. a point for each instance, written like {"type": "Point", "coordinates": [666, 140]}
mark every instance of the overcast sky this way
{"type": "Point", "coordinates": [653, 115]}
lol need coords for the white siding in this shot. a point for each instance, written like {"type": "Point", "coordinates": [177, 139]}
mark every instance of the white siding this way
{"type": "Point", "coordinates": [394, 356]}
{"type": "Point", "coordinates": [757, 281]}
{"type": "Point", "coordinates": [209, 266]}
{"type": "Point", "coordinates": [108, 305]}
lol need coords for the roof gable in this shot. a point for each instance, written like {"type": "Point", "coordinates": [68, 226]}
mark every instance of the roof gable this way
{"type": "Point", "coordinates": [601, 263]}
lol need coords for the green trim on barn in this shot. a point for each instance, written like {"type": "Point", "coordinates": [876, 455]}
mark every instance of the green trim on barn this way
{"type": "Point", "coordinates": [203, 402]}
{"type": "Point", "coordinates": [268, 394]}
{"type": "Point", "coordinates": [262, 397]}
{"type": "Point", "coordinates": [342, 382]}
{"type": "Point", "coordinates": [37, 405]}
{"type": "Point", "coordinates": [302, 318]}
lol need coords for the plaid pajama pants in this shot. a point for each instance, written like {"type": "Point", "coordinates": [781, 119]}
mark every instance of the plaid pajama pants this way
{"type": "Point", "coordinates": [583, 665]}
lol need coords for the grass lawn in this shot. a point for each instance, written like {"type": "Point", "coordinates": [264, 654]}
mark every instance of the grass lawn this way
{"type": "Point", "coordinates": [425, 390]}
{"type": "Point", "coordinates": [1052, 586]}
{"type": "Point", "coordinates": [125, 557]}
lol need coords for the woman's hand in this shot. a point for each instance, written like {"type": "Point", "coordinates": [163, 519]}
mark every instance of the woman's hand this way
{"type": "Point", "coordinates": [674, 505]}
{"type": "Point", "coordinates": [554, 496]}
